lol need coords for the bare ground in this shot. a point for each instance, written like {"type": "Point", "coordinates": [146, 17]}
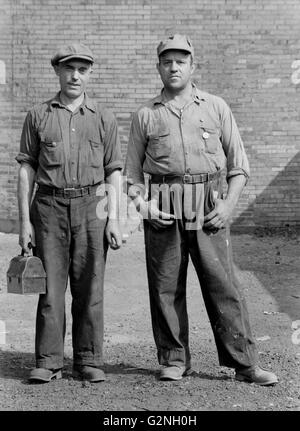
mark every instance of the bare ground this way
{"type": "Point", "coordinates": [268, 268]}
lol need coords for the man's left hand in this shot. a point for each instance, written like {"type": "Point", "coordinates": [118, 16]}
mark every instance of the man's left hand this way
{"type": "Point", "coordinates": [219, 216]}
{"type": "Point", "coordinates": [113, 234]}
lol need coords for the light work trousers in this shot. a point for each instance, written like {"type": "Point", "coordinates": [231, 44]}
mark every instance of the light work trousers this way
{"type": "Point", "coordinates": [167, 256]}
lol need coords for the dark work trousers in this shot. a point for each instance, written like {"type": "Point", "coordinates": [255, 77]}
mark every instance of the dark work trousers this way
{"type": "Point", "coordinates": [70, 241]}
{"type": "Point", "coordinates": [167, 255]}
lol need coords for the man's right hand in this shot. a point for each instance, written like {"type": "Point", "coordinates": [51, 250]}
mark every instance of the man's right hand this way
{"type": "Point", "coordinates": [26, 236]}
{"type": "Point", "coordinates": [158, 219]}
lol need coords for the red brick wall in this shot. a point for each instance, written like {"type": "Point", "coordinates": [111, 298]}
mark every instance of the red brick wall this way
{"type": "Point", "coordinates": [246, 52]}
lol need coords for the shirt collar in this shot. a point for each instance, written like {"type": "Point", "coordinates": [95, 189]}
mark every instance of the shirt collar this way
{"type": "Point", "coordinates": [87, 103]}
{"type": "Point", "coordinates": [197, 96]}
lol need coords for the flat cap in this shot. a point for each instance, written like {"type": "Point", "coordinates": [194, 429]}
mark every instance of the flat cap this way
{"type": "Point", "coordinates": [176, 41]}
{"type": "Point", "coordinates": [76, 50]}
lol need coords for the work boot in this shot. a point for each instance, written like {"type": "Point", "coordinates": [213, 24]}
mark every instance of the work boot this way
{"type": "Point", "coordinates": [174, 372]}
{"type": "Point", "coordinates": [91, 374]}
{"type": "Point", "coordinates": [257, 375]}
{"type": "Point", "coordinates": [44, 375]}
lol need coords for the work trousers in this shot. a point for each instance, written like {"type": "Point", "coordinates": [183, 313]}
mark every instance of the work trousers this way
{"type": "Point", "coordinates": [70, 240]}
{"type": "Point", "coordinates": [167, 256]}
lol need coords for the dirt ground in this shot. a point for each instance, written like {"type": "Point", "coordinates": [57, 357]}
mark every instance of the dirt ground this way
{"type": "Point", "coordinates": [268, 269]}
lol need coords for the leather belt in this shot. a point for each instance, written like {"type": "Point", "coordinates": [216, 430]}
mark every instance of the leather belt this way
{"type": "Point", "coordinates": [186, 178]}
{"type": "Point", "coordinates": [68, 193]}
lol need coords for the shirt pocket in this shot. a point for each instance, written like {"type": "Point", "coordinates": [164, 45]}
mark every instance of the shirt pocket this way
{"type": "Point", "coordinates": [211, 137]}
{"type": "Point", "coordinates": [159, 145]}
{"type": "Point", "coordinates": [95, 153]}
{"type": "Point", "coordinates": [51, 153]}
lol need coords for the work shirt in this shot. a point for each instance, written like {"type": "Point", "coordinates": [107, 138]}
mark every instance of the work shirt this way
{"type": "Point", "coordinates": [202, 137]}
{"type": "Point", "coordinates": [70, 149]}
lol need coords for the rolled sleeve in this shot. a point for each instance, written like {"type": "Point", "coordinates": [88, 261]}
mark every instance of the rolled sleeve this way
{"type": "Point", "coordinates": [29, 144]}
{"type": "Point", "coordinates": [237, 161]}
{"type": "Point", "coordinates": [109, 169]}
{"type": "Point", "coordinates": [112, 147]}
{"type": "Point", "coordinates": [25, 158]}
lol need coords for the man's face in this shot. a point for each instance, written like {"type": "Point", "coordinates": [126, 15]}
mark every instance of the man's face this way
{"type": "Point", "coordinates": [73, 77]}
{"type": "Point", "coordinates": [175, 69]}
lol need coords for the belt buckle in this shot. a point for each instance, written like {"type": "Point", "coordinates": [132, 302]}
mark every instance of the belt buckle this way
{"type": "Point", "coordinates": [67, 190]}
{"type": "Point", "coordinates": [185, 178]}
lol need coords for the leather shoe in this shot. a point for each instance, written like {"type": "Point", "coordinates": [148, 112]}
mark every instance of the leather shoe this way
{"type": "Point", "coordinates": [44, 375]}
{"type": "Point", "coordinates": [91, 374]}
{"type": "Point", "coordinates": [174, 372]}
{"type": "Point", "coordinates": [257, 375]}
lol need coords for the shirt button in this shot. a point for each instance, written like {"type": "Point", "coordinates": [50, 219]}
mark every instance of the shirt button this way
{"type": "Point", "coordinates": [73, 130]}
{"type": "Point", "coordinates": [73, 179]}
{"type": "Point", "coordinates": [205, 135]}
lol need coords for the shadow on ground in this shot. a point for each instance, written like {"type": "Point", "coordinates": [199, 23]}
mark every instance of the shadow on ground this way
{"type": "Point", "coordinates": [17, 365]}
{"type": "Point", "coordinates": [275, 262]}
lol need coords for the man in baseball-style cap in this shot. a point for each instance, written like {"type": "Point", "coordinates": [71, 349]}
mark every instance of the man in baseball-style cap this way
{"type": "Point", "coordinates": [183, 139]}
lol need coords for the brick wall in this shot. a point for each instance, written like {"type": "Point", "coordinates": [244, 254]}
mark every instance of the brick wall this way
{"type": "Point", "coordinates": [247, 51]}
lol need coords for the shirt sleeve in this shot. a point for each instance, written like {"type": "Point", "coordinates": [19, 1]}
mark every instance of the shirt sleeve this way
{"type": "Point", "coordinates": [237, 161]}
{"type": "Point", "coordinates": [136, 153]}
{"type": "Point", "coordinates": [29, 144]}
{"type": "Point", "coordinates": [112, 148]}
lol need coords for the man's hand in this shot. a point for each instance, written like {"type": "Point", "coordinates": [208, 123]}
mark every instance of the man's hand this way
{"type": "Point", "coordinates": [113, 234]}
{"type": "Point", "coordinates": [26, 236]}
{"type": "Point", "coordinates": [225, 207]}
{"type": "Point", "coordinates": [159, 219]}
{"type": "Point", "coordinates": [219, 216]}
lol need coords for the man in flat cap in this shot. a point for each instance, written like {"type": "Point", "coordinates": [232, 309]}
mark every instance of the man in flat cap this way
{"type": "Point", "coordinates": [184, 139]}
{"type": "Point", "coordinates": [69, 147]}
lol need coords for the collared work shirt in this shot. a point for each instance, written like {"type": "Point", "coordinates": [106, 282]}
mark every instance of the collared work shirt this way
{"type": "Point", "coordinates": [70, 149]}
{"type": "Point", "coordinates": [202, 137]}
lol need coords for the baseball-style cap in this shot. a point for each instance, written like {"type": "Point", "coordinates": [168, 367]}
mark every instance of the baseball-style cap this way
{"type": "Point", "coordinates": [176, 41]}
{"type": "Point", "coordinates": [76, 50]}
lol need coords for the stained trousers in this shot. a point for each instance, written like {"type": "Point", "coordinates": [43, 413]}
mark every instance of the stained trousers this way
{"type": "Point", "coordinates": [167, 255]}
{"type": "Point", "coordinates": [71, 243]}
